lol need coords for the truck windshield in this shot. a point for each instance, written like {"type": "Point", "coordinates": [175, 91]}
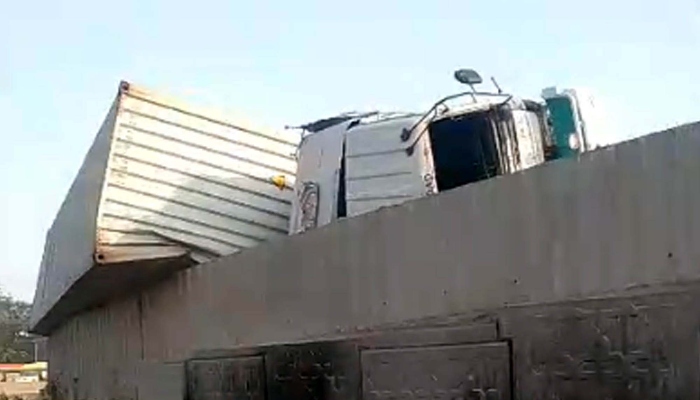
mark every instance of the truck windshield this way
{"type": "Point", "coordinates": [464, 150]}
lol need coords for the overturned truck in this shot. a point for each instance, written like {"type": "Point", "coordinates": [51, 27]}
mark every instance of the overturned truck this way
{"type": "Point", "coordinates": [568, 279]}
{"type": "Point", "coordinates": [355, 163]}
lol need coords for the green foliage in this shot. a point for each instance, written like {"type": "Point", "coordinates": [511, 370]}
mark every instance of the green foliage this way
{"type": "Point", "coordinates": [14, 318]}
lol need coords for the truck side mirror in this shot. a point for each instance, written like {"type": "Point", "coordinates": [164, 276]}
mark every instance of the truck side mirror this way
{"type": "Point", "coordinates": [468, 77]}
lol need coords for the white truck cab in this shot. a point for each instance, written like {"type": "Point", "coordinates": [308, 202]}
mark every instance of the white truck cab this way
{"type": "Point", "coordinates": [355, 163]}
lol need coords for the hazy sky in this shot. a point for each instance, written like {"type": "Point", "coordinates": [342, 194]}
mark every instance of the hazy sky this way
{"type": "Point", "coordinates": [284, 62]}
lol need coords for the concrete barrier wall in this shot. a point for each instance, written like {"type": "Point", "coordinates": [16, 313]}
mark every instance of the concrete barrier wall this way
{"type": "Point", "coordinates": [616, 219]}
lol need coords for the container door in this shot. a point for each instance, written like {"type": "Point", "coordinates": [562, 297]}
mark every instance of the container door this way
{"type": "Point", "coordinates": [379, 170]}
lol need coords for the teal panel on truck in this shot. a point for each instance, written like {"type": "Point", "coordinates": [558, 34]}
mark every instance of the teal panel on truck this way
{"type": "Point", "coordinates": [561, 112]}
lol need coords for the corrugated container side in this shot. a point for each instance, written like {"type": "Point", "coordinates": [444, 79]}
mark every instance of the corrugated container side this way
{"type": "Point", "coordinates": [180, 181]}
{"type": "Point", "coordinates": [163, 183]}
{"type": "Point", "coordinates": [70, 242]}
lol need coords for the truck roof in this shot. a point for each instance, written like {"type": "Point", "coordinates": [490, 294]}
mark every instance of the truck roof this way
{"type": "Point", "coordinates": [451, 109]}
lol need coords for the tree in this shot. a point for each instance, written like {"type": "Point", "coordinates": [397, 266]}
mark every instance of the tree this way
{"type": "Point", "coordinates": [14, 319]}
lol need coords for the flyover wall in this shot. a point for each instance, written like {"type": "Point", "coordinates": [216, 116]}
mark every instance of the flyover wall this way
{"type": "Point", "coordinates": [510, 260]}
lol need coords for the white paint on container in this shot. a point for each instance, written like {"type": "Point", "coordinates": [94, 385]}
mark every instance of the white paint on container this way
{"type": "Point", "coordinates": [164, 180]}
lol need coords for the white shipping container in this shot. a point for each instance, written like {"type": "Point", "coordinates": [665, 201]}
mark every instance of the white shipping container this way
{"type": "Point", "coordinates": [163, 180]}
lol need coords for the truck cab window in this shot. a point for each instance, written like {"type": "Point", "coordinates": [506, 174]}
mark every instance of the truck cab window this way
{"type": "Point", "coordinates": [464, 150]}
